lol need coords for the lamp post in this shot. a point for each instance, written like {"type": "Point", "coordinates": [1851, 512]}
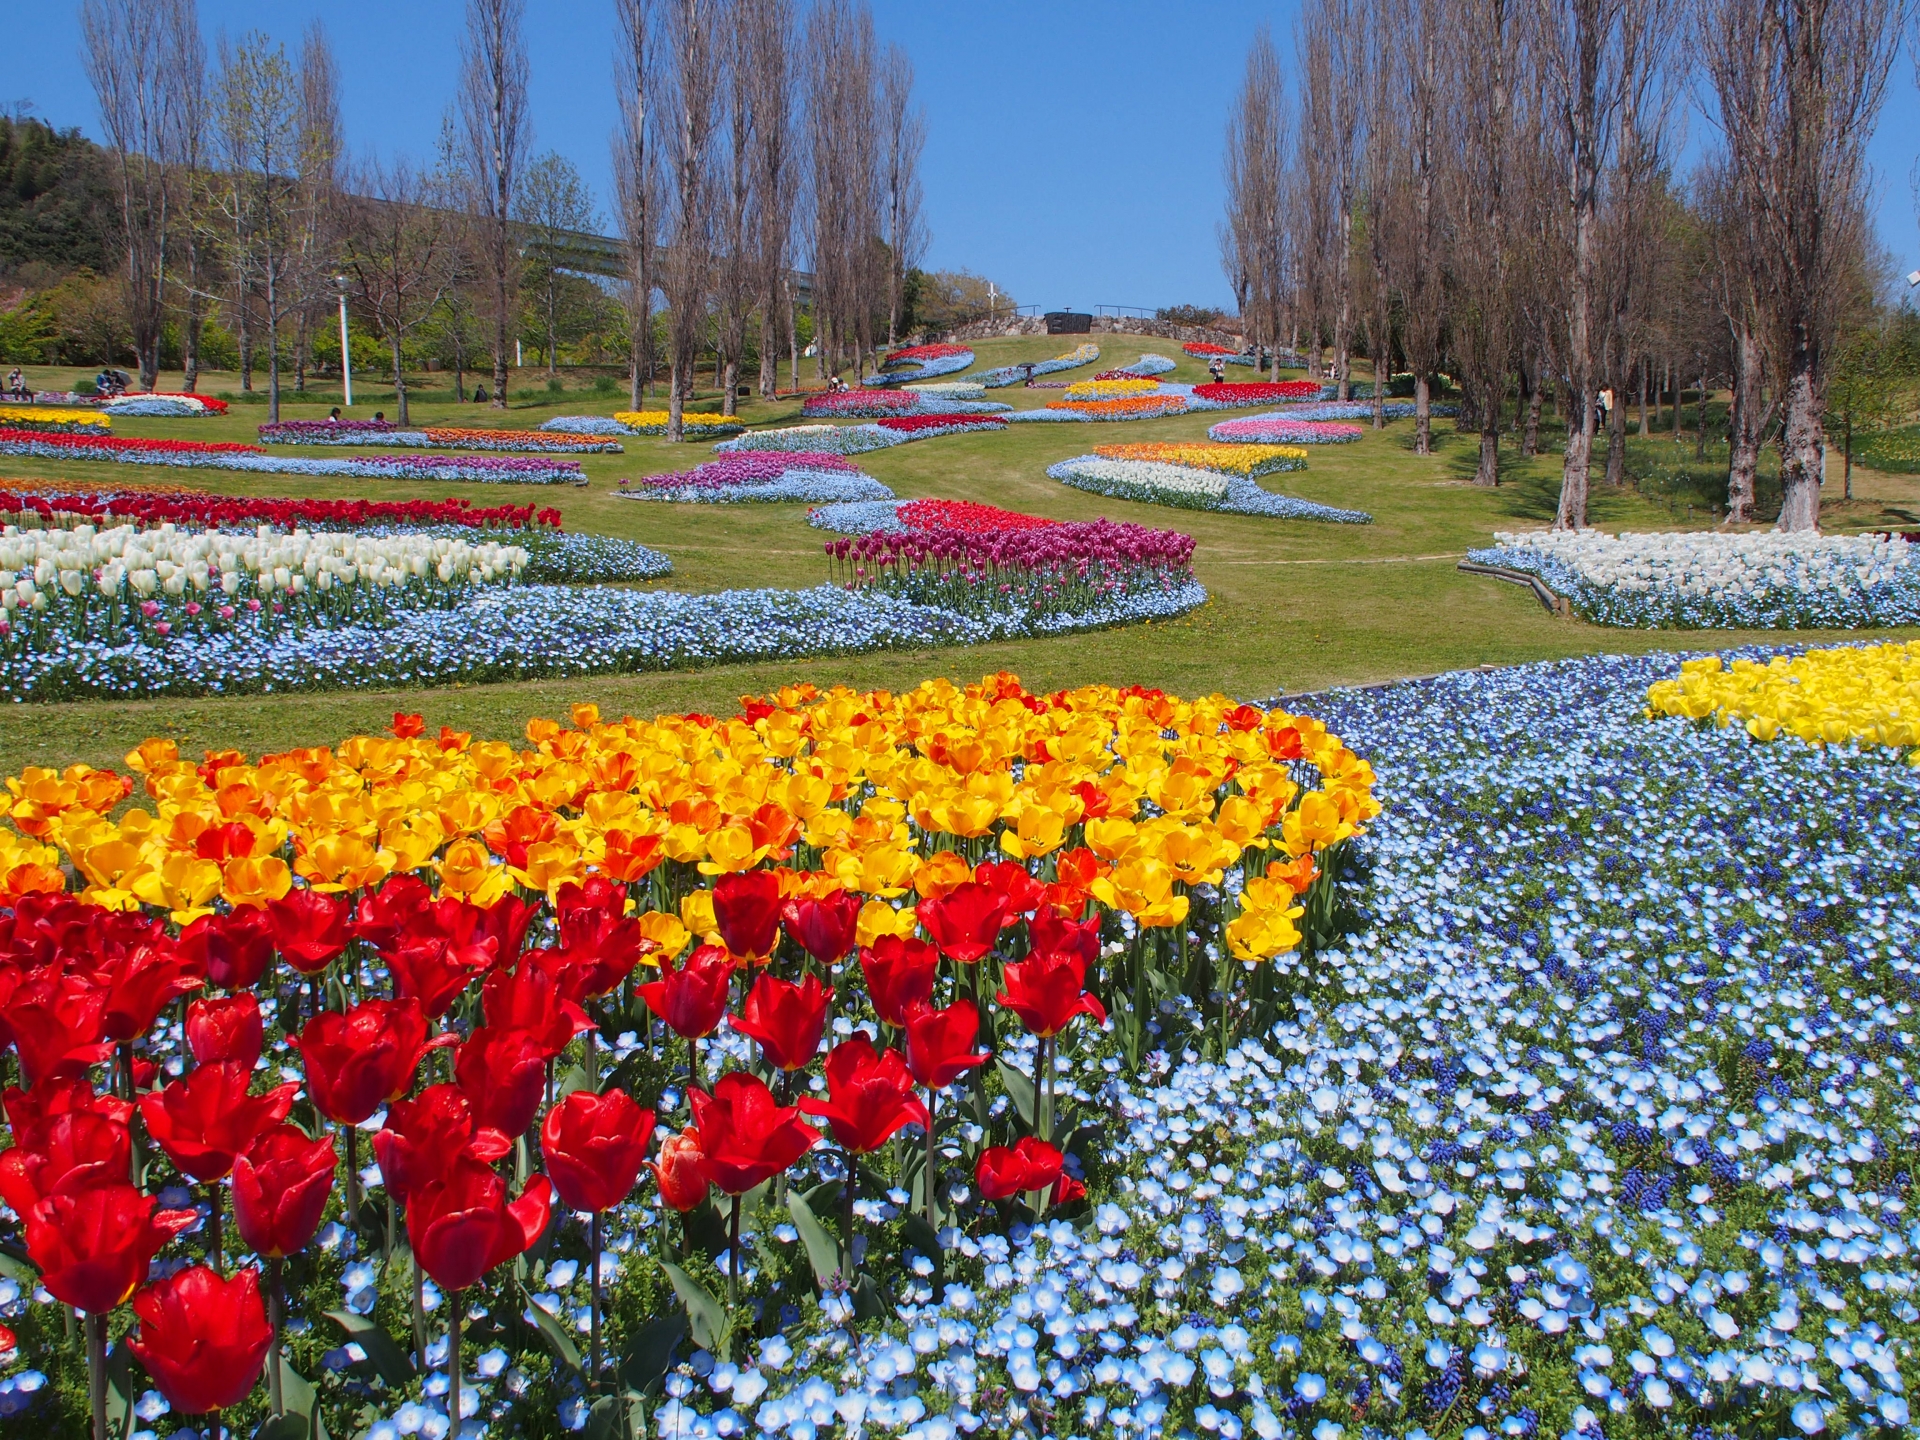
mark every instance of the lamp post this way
{"type": "Point", "coordinates": [346, 355]}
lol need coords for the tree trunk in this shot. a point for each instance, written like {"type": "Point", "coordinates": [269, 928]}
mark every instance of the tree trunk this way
{"type": "Point", "coordinates": [1530, 441]}
{"type": "Point", "coordinates": [676, 407]}
{"type": "Point", "coordinates": [1488, 473]}
{"type": "Point", "coordinates": [1744, 424]}
{"type": "Point", "coordinates": [1700, 435]}
{"type": "Point", "coordinates": [1422, 415]}
{"type": "Point", "coordinates": [1617, 443]}
{"type": "Point", "coordinates": [1846, 472]}
{"type": "Point", "coordinates": [300, 343]}
{"type": "Point", "coordinates": [500, 303]}
{"type": "Point", "coordinates": [1802, 451]}
{"type": "Point", "coordinates": [730, 383]}
{"type": "Point", "coordinates": [399, 386]}
{"type": "Point", "coordinates": [1644, 365]}
{"type": "Point", "coordinates": [273, 345]}
{"type": "Point", "coordinates": [245, 338]}
{"type": "Point", "coordinates": [1674, 384]}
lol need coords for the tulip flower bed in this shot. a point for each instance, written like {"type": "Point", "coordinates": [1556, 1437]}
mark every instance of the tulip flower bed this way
{"type": "Point", "coordinates": [161, 403]}
{"type": "Point", "coordinates": [760, 477]}
{"type": "Point", "coordinates": [59, 501]}
{"type": "Point", "coordinates": [1154, 482]}
{"type": "Point", "coordinates": [1286, 426]}
{"type": "Point", "coordinates": [487, 469]}
{"type": "Point", "coordinates": [1044, 572]}
{"type": "Point", "coordinates": [1098, 389]}
{"type": "Point", "coordinates": [921, 362]}
{"type": "Point", "coordinates": [874, 404]}
{"type": "Point", "coordinates": [1257, 392]}
{"type": "Point", "coordinates": [43, 417]}
{"type": "Point", "coordinates": [858, 439]}
{"type": "Point", "coordinates": [964, 516]}
{"type": "Point", "coordinates": [949, 389]}
{"type": "Point", "coordinates": [692, 426]}
{"type": "Point", "coordinates": [1284, 430]}
{"type": "Point", "coordinates": [1145, 368]}
{"type": "Point", "coordinates": [70, 489]}
{"type": "Point", "coordinates": [1207, 350]}
{"type": "Point", "coordinates": [1084, 353]}
{"type": "Point", "coordinates": [434, 437]}
{"type": "Point", "coordinates": [1126, 407]}
{"type": "Point", "coordinates": [1854, 695]}
{"type": "Point", "coordinates": [1762, 581]}
{"type": "Point", "coordinates": [1245, 460]}
{"type": "Point", "coordinates": [686, 960]}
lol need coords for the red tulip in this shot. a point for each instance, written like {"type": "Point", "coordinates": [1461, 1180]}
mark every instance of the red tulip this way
{"type": "Point", "coordinates": [420, 1133]}
{"type": "Point", "coordinates": [502, 1073]}
{"type": "Point", "coordinates": [142, 982]}
{"type": "Point", "coordinates": [899, 976]}
{"type": "Point", "coordinates": [310, 928]}
{"type": "Point", "coordinates": [385, 912]}
{"type": "Point", "coordinates": [461, 1224]}
{"type": "Point", "coordinates": [693, 998]}
{"type": "Point", "coordinates": [234, 949]}
{"type": "Point", "coordinates": [407, 727]}
{"type": "Point", "coordinates": [595, 1146]}
{"type": "Point", "coordinates": [745, 1137]}
{"type": "Point", "coordinates": [1045, 991]}
{"type": "Point", "coordinates": [526, 998]}
{"type": "Point", "coordinates": [203, 1339]}
{"type": "Point", "coordinates": [505, 922]}
{"type": "Point", "coordinates": [1023, 892]}
{"type": "Point", "coordinates": [869, 1096]}
{"type": "Point", "coordinates": [1029, 1165]}
{"type": "Point", "coordinates": [280, 1189]}
{"type": "Point", "coordinates": [433, 971]}
{"type": "Point", "coordinates": [74, 1150]}
{"type": "Point", "coordinates": [225, 1028]}
{"type": "Point", "coordinates": [681, 1170]}
{"type": "Point", "coordinates": [206, 1119]}
{"type": "Point", "coordinates": [825, 929]}
{"type": "Point", "coordinates": [599, 941]}
{"type": "Point", "coordinates": [1051, 934]}
{"type": "Point", "coordinates": [966, 922]}
{"type": "Point", "coordinates": [359, 1061]}
{"type": "Point", "coordinates": [93, 1245]}
{"type": "Point", "coordinates": [786, 1019]}
{"type": "Point", "coordinates": [940, 1043]}
{"type": "Point", "coordinates": [58, 1023]}
{"type": "Point", "coordinates": [746, 911]}
{"type": "Point", "coordinates": [30, 1113]}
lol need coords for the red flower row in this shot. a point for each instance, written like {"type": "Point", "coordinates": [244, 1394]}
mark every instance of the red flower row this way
{"type": "Point", "coordinates": [127, 443]}
{"type": "Point", "coordinates": [912, 423]}
{"type": "Point", "coordinates": [1259, 392]}
{"type": "Point", "coordinates": [1203, 349]}
{"type": "Point", "coordinates": [214, 511]}
{"type": "Point", "coordinates": [924, 352]}
{"type": "Point", "coordinates": [966, 517]}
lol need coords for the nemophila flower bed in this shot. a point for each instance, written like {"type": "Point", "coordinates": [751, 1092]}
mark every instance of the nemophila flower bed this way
{"type": "Point", "coordinates": [1687, 581]}
{"type": "Point", "coordinates": [692, 426]}
{"type": "Point", "coordinates": [1854, 695]}
{"type": "Point", "coordinates": [1145, 368]}
{"type": "Point", "coordinates": [1257, 392]}
{"type": "Point", "coordinates": [1082, 354]}
{"type": "Point", "coordinates": [1154, 482]}
{"type": "Point", "coordinates": [562, 557]}
{"type": "Point", "coordinates": [1125, 407]}
{"type": "Point", "coordinates": [46, 417]}
{"type": "Point", "coordinates": [194, 454]}
{"type": "Point", "coordinates": [1245, 460]}
{"type": "Point", "coordinates": [858, 439]}
{"type": "Point", "coordinates": [161, 404]}
{"type": "Point", "coordinates": [674, 959]}
{"type": "Point", "coordinates": [875, 404]}
{"type": "Point", "coordinates": [760, 477]}
{"type": "Point", "coordinates": [1284, 430]}
{"type": "Point", "coordinates": [948, 389]}
{"type": "Point", "coordinates": [921, 362]}
{"type": "Point", "coordinates": [433, 437]}
{"type": "Point", "coordinates": [1044, 571]}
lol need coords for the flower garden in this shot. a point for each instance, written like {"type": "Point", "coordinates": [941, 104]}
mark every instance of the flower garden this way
{"type": "Point", "coordinates": [1525, 1052]}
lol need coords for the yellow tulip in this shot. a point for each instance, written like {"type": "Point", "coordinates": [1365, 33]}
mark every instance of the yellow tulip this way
{"type": "Point", "coordinates": [468, 872]}
{"type": "Point", "coordinates": [667, 932]}
{"type": "Point", "coordinates": [255, 879]}
{"type": "Point", "coordinates": [877, 918]}
{"type": "Point", "coordinates": [342, 861]}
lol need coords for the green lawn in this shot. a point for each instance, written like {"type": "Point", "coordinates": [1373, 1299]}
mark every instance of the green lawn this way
{"type": "Point", "coordinates": [1296, 605]}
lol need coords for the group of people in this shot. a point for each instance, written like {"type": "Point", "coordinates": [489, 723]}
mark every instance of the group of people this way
{"type": "Point", "coordinates": [17, 387]}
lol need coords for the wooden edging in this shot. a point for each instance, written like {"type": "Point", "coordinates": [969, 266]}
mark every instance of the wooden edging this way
{"type": "Point", "coordinates": [1554, 604]}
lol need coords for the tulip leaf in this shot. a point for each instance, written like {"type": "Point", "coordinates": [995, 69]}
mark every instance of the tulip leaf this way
{"type": "Point", "coordinates": [650, 1353]}
{"type": "Point", "coordinates": [922, 1237]}
{"type": "Point", "coordinates": [576, 1078]}
{"type": "Point", "coordinates": [554, 1333]}
{"type": "Point", "coordinates": [302, 1420]}
{"type": "Point", "coordinates": [705, 1315]}
{"type": "Point", "coordinates": [867, 1301]}
{"type": "Point", "coordinates": [387, 1358]}
{"type": "Point", "coordinates": [823, 1251]}
{"type": "Point", "coordinates": [120, 1392]}
{"type": "Point", "coordinates": [1019, 1090]}
{"type": "Point", "coordinates": [18, 1270]}
{"type": "Point", "coordinates": [617, 1417]}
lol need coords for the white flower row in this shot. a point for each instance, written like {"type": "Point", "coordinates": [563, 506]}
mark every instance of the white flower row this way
{"type": "Point", "coordinates": [950, 389]}
{"type": "Point", "coordinates": [1155, 482]}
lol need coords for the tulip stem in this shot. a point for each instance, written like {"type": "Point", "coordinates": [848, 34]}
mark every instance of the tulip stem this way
{"type": "Point", "coordinates": [926, 1178]}
{"type": "Point", "coordinates": [353, 1179]}
{"type": "Point", "coordinates": [419, 1314]}
{"type": "Point", "coordinates": [455, 1303]}
{"type": "Point", "coordinates": [847, 1199]}
{"type": "Point", "coordinates": [593, 1342]}
{"type": "Point", "coordinates": [1043, 1062]}
{"type": "Point", "coordinates": [733, 1256]}
{"type": "Point", "coordinates": [97, 1372]}
{"type": "Point", "coordinates": [213, 1225]}
{"type": "Point", "coordinates": [278, 1281]}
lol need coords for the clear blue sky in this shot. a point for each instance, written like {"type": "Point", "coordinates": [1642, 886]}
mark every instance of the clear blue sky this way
{"type": "Point", "coordinates": [1074, 146]}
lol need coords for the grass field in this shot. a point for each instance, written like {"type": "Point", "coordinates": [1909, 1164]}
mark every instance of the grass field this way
{"type": "Point", "coordinates": [1296, 606]}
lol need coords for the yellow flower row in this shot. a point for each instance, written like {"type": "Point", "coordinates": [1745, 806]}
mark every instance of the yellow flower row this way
{"type": "Point", "coordinates": [876, 793]}
{"type": "Point", "coordinates": [1110, 389]}
{"type": "Point", "coordinates": [1217, 455]}
{"type": "Point", "coordinates": [44, 416]}
{"type": "Point", "coordinates": [1867, 695]}
{"type": "Point", "coordinates": [696, 427]}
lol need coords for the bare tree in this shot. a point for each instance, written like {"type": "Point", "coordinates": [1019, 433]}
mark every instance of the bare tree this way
{"type": "Point", "coordinates": [1382, 172]}
{"type": "Point", "coordinates": [842, 188]}
{"type": "Point", "coordinates": [1798, 85]}
{"type": "Point", "coordinates": [552, 206]}
{"type": "Point", "coordinates": [734, 215]}
{"type": "Point", "coordinates": [493, 104]}
{"type": "Point", "coordinates": [257, 109]}
{"type": "Point", "coordinates": [190, 156]}
{"type": "Point", "coordinates": [397, 233]}
{"type": "Point", "coordinates": [636, 181]}
{"type": "Point", "coordinates": [131, 54]}
{"type": "Point", "coordinates": [1416, 209]}
{"type": "Point", "coordinates": [904, 125]}
{"type": "Point", "coordinates": [690, 93]}
{"type": "Point", "coordinates": [769, 43]}
{"type": "Point", "coordinates": [1254, 237]}
{"type": "Point", "coordinates": [316, 195]}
